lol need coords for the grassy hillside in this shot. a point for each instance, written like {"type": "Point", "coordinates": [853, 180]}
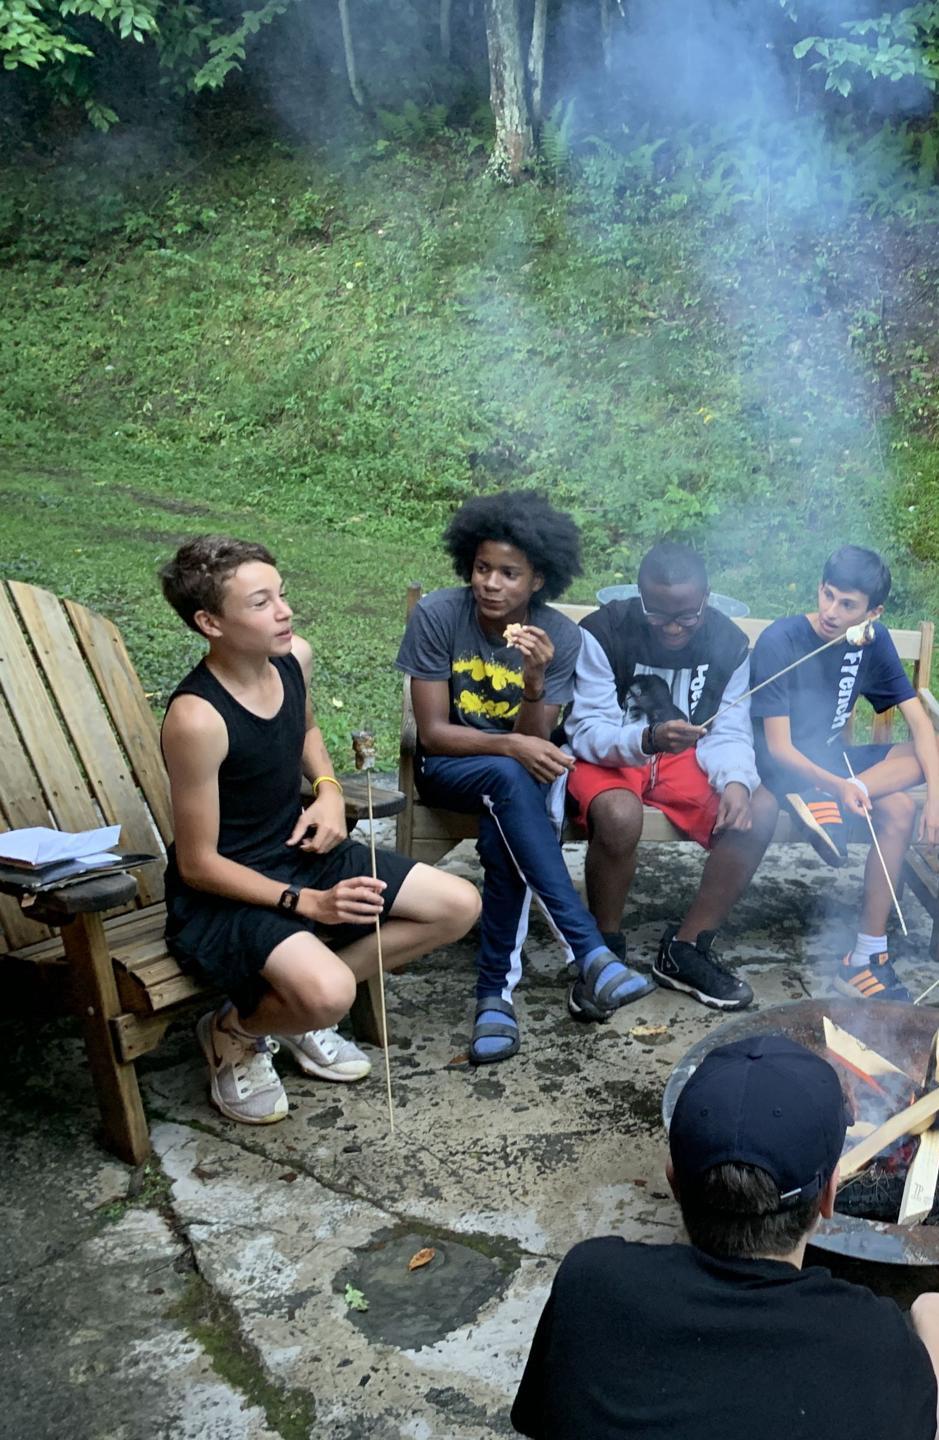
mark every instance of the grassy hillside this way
{"type": "Point", "coordinates": [329, 356]}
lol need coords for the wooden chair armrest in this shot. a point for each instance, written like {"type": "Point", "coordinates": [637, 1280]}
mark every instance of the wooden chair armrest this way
{"type": "Point", "coordinates": [58, 907]}
{"type": "Point", "coordinates": [930, 705]}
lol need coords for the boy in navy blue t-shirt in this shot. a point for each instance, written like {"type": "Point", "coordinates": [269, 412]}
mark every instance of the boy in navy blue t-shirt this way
{"type": "Point", "coordinates": [799, 723]}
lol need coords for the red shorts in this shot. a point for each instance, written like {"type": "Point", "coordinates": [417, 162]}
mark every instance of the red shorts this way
{"type": "Point", "coordinates": [674, 784]}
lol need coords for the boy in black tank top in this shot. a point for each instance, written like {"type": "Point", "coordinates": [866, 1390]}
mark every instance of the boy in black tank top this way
{"type": "Point", "coordinates": [269, 899]}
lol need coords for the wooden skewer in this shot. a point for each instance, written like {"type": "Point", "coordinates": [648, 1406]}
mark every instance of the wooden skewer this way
{"type": "Point", "coordinates": [363, 745]}
{"type": "Point", "coordinates": [854, 635]}
{"type": "Point", "coordinates": [928, 991]}
{"type": "Point", "coordinates": [381, 967]}
{"type": "Point", "coordinates": [880, 855]}
{"type": "Point", "coordinates": [838, 640]}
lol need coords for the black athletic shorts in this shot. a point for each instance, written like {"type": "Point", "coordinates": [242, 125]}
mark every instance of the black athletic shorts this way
{"type": "Point", "coordinates": [228, 942]}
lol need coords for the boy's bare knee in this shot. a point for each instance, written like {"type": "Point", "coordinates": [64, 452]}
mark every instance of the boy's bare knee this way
{"type": "Point", "coordinates": [321, 1000]}
{"type": "Point", "coordinates": [616, 820]}
{"type": "Point", "coordinates": [897, 811]}
{"type": "Point", "coordinates": [459, 908]}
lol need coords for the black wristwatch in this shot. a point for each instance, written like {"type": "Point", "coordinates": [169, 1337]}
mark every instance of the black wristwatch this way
{"type": "Point", "coordinates": [290, 899]}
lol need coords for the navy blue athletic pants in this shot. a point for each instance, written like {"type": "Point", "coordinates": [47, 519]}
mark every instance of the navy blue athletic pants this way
{"type": "Point", "coordinates": [521, 856]}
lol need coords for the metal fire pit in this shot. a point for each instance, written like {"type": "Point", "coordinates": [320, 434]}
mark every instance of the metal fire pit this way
{"type": "Point", "coordinates": [901, 1033]}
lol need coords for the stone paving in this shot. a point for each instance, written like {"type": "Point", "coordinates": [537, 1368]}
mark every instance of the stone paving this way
{"type": "Point", "coordinates": [208, 1296]}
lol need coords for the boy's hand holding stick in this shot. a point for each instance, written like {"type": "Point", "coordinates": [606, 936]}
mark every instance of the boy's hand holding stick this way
{"type": "Point", "coordinates": [363, 745]}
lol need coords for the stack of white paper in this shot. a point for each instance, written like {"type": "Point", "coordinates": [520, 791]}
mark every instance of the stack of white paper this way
{"type": "Point", "coordinates": [39, 846]}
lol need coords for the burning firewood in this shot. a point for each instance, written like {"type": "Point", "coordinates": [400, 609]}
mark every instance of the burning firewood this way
{"type": "Point", "coordinates": [911, 1121]}
{"type": "Point", "coordinates": [919, 1192]}
{"type": "Point", "coordinates": [883, 1087]}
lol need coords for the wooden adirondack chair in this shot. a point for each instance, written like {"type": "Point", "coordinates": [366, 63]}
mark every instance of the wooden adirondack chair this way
{"type": "Point", "coordinates": [79, 747]}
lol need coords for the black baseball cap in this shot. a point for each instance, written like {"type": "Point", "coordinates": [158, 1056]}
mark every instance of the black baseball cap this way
{"type": "Point", "coordinates": [768, 1102]}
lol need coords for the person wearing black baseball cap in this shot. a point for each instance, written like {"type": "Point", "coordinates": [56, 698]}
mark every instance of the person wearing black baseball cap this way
{"type": "Point", "coordinates": [729, 1336]}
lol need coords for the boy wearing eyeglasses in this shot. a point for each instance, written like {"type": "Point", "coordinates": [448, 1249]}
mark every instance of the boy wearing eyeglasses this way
{"type": "Point", "coordinates": [651, 671]}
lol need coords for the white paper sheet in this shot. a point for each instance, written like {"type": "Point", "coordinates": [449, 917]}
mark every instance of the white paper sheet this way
{"type": "Point", "coordinates": [40, 845]}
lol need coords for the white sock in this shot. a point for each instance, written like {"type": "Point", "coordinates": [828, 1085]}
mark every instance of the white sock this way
{"type": "Point", "coordinates": [865, 946]}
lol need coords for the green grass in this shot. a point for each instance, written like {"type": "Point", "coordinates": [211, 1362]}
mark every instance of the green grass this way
{"type": "Point", "coordinates": [330, 361]}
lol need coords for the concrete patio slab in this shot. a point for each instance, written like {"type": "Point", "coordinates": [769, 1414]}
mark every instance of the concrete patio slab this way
{"type": "Point", "coordinates": [215, 1295]}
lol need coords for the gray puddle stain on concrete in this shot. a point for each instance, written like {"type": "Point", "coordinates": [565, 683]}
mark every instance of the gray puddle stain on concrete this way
{"type": "Point", "coordinates": [413, 1308]}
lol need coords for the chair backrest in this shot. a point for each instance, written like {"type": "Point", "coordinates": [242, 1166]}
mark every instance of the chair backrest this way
{"type": "Point", "coordinates": [79, 746]}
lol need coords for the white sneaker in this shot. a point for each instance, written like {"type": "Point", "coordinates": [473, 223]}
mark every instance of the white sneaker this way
{"type": "Point", "coordinates": [244, 1084]}
{"type": "Point", "coordinates": [326, 1054]}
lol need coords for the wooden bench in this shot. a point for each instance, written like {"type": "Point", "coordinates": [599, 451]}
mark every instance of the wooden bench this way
{"type": "Point", "coordinates": [429, 834]}
{"type": "Point", "coordinates": [79, 747]}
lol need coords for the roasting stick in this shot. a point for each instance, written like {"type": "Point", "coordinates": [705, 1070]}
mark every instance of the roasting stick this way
{"type": "Point", "coordinates": [928, 991]}
{"type": "Point", "coordinates": [363, 745]}
{"type": "Point", "coordinates": [854, 635]}
{"type": "Point", "coordinates": [880, 854]}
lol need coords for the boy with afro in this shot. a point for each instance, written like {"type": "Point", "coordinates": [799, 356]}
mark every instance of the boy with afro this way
{"type": "Point", "coordinates": [485, 711]}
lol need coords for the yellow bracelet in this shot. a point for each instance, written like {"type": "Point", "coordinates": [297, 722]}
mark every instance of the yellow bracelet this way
{"type": "Point", "coordinates": [331, 779]}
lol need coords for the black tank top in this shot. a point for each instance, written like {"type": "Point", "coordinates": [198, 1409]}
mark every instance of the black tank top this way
{"type": "Point", "coordinates": [259, 779]}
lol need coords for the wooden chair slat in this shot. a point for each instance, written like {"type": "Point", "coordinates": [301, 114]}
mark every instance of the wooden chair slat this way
{"type": "Point", "coordinates": [21, 804]}
{"type": "Point", "coordinates": [21, 797]}
{"type": "Point", "coordinates": [43, 738]}
{"type": "Point", "coordinates": [103, 647]}
{"type": "Point", "coordinates": [86, 720]}
{"type": "Point", "coordinates": [149, 960]}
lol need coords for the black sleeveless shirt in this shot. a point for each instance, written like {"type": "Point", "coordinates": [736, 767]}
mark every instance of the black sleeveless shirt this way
{"type": "Point", "coordinates": [259, 779]}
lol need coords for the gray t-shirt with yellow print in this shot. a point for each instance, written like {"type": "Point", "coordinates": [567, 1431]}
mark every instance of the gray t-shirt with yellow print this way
{"type": "Point", "coordinates": [444, 641]}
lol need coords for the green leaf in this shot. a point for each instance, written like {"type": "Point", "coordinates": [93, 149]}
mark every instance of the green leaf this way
{"type": "Point", "coordinates": [354, 1298]}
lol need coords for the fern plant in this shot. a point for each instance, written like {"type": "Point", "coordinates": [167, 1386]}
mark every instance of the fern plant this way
{"type": "Point", "coordinates": [555, 140]}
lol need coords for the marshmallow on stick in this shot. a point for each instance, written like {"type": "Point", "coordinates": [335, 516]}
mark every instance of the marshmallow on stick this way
{"type": "Point", "coordinates": [854, 635]}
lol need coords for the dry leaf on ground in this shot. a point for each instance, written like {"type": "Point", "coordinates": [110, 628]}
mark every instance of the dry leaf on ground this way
{"type": "Point", "coordinates": [422, 1257]}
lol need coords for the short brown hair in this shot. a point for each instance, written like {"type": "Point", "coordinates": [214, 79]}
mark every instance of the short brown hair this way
{"type": "Point", "coordinates": [195, 577]}
{"type": "Point", "coordinates": [735, 1212]}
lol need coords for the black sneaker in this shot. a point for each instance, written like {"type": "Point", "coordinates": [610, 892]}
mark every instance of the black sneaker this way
{"type": "Point", "coordinates": [695, 970]}
{"type": "Point", "coordinates": [825, 830]}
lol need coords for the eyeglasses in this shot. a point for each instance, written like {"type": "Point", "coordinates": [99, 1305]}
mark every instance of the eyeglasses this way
{"type": "Point", "coordinates": [686, 620]}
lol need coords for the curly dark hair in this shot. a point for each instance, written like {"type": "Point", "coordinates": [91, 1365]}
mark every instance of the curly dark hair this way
{"type": "Point", "coordinates": [525, 519]}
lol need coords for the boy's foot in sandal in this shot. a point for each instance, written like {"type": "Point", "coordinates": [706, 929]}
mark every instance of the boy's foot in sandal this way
{"type": "Point", "coordinates": [495, 1031]}
{"type": "Point", "coordinates": [603, 985]}
{"type": "Point", "coordinates": [696, 970]}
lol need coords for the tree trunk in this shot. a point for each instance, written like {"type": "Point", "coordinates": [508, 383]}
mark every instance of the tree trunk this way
{"type": "Point", "coordinates": [349, 50]}
{"type": "Point", "coordinates": [606, 34]}
{"type": "Point", "coordinates": [514, 139]}
{"type": "Point", "coordinates": [445, 28]}
{"type": "Point", "coordinates": [536, 57]}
